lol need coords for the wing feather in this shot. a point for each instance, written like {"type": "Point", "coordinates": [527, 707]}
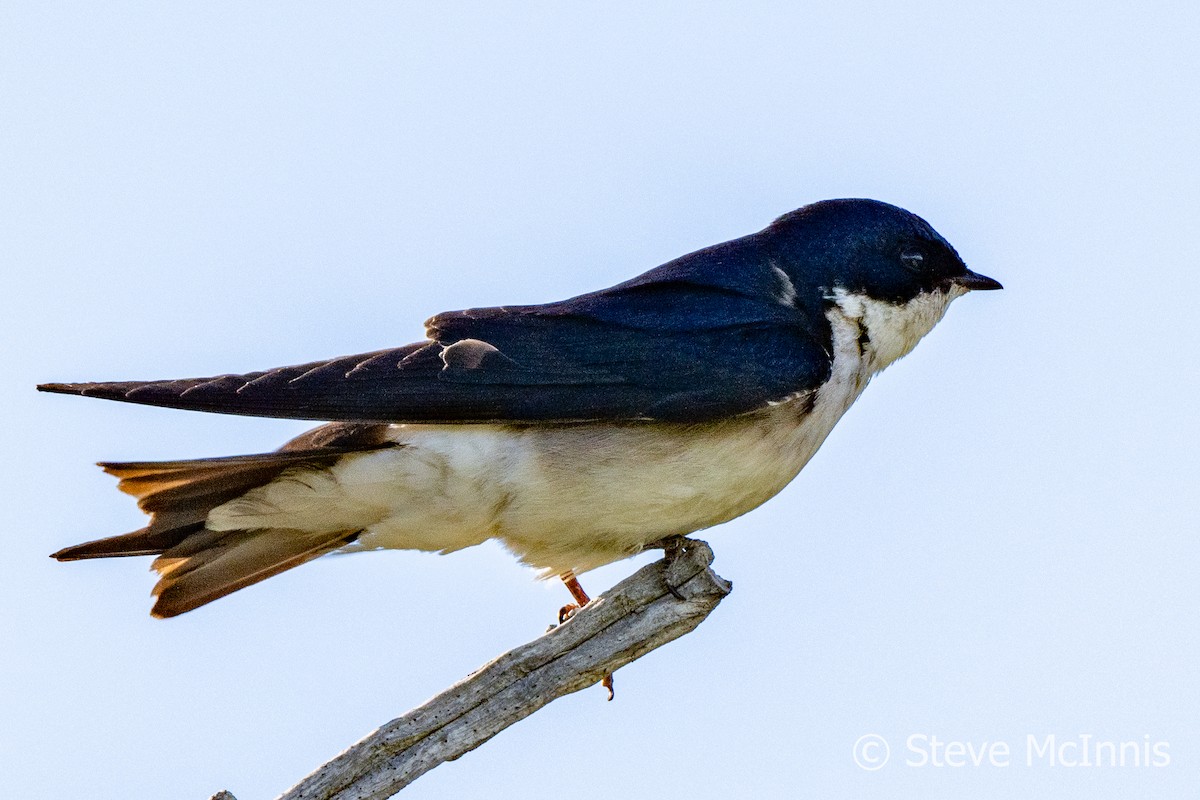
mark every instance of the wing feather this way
{"type": "Point", "coordinates": [691, 345]}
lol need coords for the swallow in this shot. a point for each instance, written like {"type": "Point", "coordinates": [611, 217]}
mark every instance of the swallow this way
{"type": "Point", "coordinates": [576, 433]}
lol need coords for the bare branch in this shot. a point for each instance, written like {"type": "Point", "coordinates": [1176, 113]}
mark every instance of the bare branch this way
{"type": "Point", "coordinates": [626, 622]}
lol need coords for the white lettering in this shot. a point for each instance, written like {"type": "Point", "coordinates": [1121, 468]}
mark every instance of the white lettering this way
{"type": "Point", "coordinates": [928, 750]}
{"type": "Point", "coordinates": [1032, 749]}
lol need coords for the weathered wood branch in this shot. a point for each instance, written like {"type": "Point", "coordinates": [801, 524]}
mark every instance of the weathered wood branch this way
{"type": "Point", "coordinates": [636, 616]}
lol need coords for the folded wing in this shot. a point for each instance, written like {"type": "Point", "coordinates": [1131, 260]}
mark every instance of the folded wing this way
{"type": "Point", "coordinates": [670, 350]}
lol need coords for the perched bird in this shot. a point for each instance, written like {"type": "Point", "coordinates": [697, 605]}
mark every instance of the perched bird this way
{"type": "Point", "coordinates": [576, 433]}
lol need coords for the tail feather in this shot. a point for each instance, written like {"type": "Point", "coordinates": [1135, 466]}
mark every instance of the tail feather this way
{"type": "Point", "coordinates": [212, 481]}
{"type": "Point", "coordinates": [219, 563]}
{"type": "Point", "coordinates": [197, 565]}
{"type": "Point", "coordinates": [144, 542]}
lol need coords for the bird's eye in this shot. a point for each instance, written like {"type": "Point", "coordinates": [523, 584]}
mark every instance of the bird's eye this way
{"type": "Point", "coordinates": [913, 259]}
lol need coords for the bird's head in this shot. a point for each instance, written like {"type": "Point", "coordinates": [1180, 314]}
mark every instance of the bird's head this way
{"type": "Point", "coordinates": [876, 263]}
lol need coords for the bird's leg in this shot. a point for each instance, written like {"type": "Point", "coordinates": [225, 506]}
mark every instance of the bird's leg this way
{"type": "Point", "coordinates": [577, 592]}
{"type": "Point", "coordinates": [568, 611]}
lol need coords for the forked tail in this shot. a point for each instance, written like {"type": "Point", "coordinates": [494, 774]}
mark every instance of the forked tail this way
{"type": "Point", "coordinates": [196, 565]}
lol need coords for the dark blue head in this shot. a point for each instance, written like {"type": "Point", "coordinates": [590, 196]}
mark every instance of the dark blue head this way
{"type": "Point", "coordinates": [868, 247]}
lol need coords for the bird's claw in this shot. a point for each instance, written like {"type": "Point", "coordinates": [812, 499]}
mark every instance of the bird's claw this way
{"type": "Point", "coordinates": [569, 610]}
{"type": "Point", "coordinates": [566, 612]}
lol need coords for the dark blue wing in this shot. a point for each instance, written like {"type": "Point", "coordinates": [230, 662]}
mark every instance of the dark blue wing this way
{"type": "Point", "coordinates": [704, 337]}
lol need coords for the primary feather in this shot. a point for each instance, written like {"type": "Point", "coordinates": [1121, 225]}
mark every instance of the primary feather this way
{"type": "Point", "coordinates": [696, 339]}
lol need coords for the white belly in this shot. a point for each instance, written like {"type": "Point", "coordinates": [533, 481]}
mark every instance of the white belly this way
{"type": "Point", "coordinates": [576, 497]}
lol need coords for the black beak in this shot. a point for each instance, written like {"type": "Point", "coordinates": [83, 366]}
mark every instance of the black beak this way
{"type": "Point", "coordinates": [975, 281]}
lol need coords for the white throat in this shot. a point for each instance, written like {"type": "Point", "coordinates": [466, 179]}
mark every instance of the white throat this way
{"type": "Point", "coordinates": [891, 331]}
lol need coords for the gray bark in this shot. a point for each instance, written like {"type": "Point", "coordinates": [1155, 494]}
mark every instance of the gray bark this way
{"type": "Point", "coordinates": [636, 616]}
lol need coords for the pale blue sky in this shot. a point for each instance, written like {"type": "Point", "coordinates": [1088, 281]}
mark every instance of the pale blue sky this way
{"type": "Point", "coordinates": [1000, 539]}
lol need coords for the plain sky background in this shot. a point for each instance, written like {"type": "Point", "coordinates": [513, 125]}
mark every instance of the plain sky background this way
{"type": "Point", "coordinates": [1000, 539]}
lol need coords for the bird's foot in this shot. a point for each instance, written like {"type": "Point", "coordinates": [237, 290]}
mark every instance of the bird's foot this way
{"type": "Point", "coordinates": [568, 611]}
